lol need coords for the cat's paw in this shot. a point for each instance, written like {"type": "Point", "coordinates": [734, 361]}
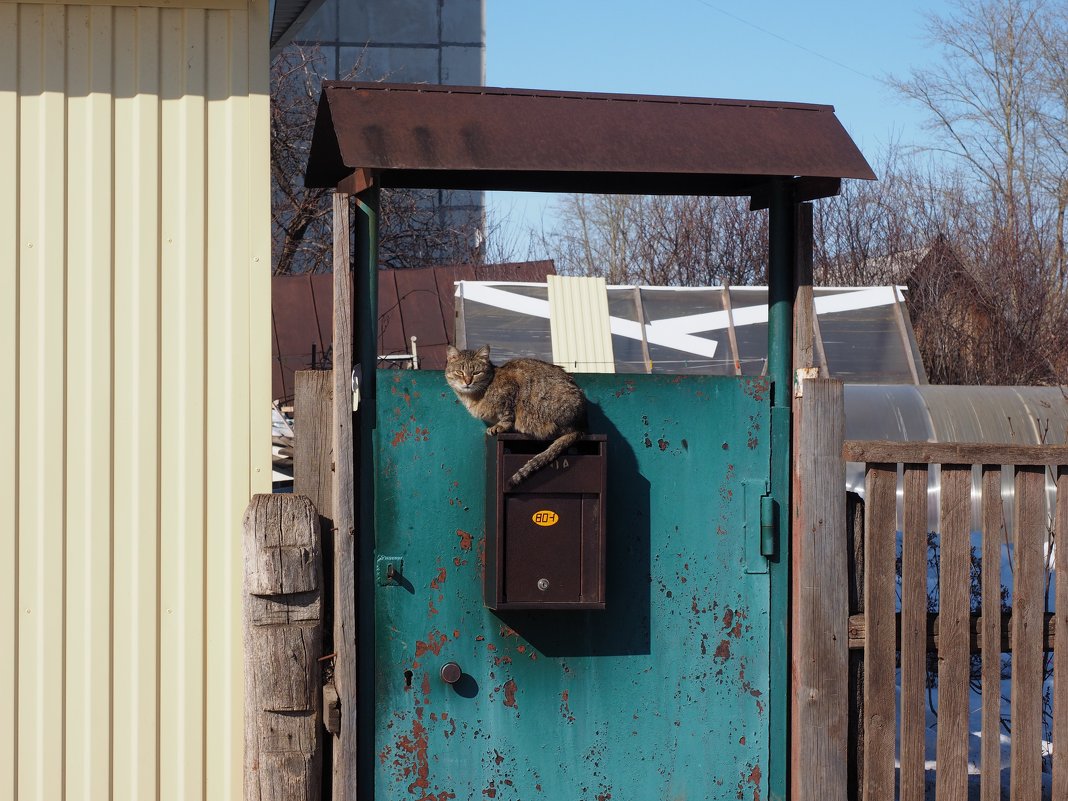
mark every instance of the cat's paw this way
{"type": "Point", "coordinates": [498, 428]}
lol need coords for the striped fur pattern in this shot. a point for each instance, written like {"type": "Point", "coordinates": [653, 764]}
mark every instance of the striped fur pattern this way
{"type": "Point", "coordinates": [528, 396]}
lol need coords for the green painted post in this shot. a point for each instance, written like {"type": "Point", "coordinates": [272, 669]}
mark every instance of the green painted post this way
{"type": "Point", "coordinates": [366, 289]}
{"type": "Point", "coordinates": [780, 340]}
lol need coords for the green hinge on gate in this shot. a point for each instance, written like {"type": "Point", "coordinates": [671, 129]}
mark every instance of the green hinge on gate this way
{"type": "Point", "coordinates": [759, 525]}
{"type": "Point", "coordinates": [767, 526]}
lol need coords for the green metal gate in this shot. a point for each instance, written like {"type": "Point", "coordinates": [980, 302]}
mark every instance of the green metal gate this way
{"type": "Point", "coordinates": [665, 693]}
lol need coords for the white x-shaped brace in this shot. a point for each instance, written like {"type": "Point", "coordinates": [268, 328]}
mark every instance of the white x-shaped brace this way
{"type": "Point", "coordinates": [678, 332]}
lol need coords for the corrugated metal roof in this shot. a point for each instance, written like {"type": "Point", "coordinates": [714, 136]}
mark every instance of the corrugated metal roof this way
{"type": "Point", "coordinates": [488, 138]}
{"type": "Point", "coordinates": [415, 302]}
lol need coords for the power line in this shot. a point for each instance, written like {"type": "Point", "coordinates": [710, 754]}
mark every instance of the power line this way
{"type": "Point", "coordinates": [790, 42]}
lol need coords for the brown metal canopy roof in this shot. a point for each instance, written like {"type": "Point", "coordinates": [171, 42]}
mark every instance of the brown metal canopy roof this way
{"type": "Point", "coordinates": [449, 137]}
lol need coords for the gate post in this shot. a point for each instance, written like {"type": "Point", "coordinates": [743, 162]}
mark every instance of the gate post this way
{"type": "Point", "coordinates": [821, 608]}
{"type": "Point", "coordinates": [344, 515]}
{"type": "Point", "coordinates": [283, 640]}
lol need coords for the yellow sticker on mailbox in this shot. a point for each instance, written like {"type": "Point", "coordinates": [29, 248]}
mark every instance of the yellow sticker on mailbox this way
{"type": "Point", "coordinates": [545, 518]}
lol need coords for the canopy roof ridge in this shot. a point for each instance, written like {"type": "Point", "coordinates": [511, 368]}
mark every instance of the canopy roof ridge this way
{"type": "Point", "coordinates": [476, 137]}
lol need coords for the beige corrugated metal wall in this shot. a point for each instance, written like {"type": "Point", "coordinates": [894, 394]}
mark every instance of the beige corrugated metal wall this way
{"type": "Point", "coordinates": [134, 378]}
{"type": "Point", "coordinates": [579, 324]}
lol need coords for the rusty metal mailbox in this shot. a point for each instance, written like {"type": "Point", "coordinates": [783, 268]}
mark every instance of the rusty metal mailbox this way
{"type": "Point", "coordinates": [545, 539]}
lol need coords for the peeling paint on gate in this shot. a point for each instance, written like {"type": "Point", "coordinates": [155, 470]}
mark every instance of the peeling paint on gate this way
{"type": "Point", "coordinates": [565, 706]}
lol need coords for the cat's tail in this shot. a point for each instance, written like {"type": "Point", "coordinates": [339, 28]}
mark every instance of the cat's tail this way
{"type": "Point", "coordinates": [537, 462]}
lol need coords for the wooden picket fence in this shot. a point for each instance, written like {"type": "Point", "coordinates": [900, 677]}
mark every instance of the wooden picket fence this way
{"type": "Point", "coordinates": [853, 736]}
{"type": "Point", "coordinates": [891, 638]}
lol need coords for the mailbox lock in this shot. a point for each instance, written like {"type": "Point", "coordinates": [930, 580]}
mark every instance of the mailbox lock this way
{"type": "Point", "coordinates": [450, 673]}
{"type": "Point", "coordinates": [543, 584]}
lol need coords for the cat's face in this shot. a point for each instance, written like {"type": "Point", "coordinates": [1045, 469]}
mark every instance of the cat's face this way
{"type": "Point", "coordinates": [468, 371]}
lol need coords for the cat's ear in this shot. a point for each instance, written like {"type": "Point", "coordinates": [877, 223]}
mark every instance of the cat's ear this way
{"type": "Point", "coordinates": [451, 352]}
{"type": "Point", "coordinates": [483, 352]}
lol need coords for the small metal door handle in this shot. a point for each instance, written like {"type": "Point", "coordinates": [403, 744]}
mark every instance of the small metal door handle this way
{"type": "Point", "coordinates": [451, 673]}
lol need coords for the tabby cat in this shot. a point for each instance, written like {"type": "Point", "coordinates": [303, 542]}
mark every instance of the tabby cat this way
{"type": "Point", "coordinates": [529, 396]}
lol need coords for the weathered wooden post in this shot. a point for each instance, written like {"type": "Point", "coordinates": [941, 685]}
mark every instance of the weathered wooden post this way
{"type": "Point", "coordinates": [283, 640]}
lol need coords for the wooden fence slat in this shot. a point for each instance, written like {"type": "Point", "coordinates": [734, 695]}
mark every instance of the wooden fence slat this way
{"type": "Point", "coordinates": [953, 653]}
{"type": "Point", "coordinates": [313, 453]}
{"type": "Point", "coordinates": [990, 636]}
{"type": "Point", "coordinates": [881, 451]}
{"type": "Point", "coordinates": [820, 654]}
{"type": "Point", "coordinates": [855, 559]}
{"type": "Point", "coordinates": [343, 493]}
{"type": "Point", "coordinates": [913, 632]}
{"type": "Point", "coordinates": [1060, 658]}
{"type": "Point", "coordinates": [880, 527]}
{"type": "Point", "coordinates": [1028, 605]}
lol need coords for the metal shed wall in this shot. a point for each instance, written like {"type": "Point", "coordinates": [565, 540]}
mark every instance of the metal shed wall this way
{"type": "Point", "coordinates": [134, 317]}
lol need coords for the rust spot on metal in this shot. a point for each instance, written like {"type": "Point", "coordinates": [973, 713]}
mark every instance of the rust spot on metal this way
{"type": "Point", "coordinates": [626, 389]}
{"type": "Point", "coordinates": [754, 779]}
{"type": "Point", "coordinates": [498, 757]}
{"type": "Point", "coordinates": [723, 651]}
{"type": "Point", "coordinates": [565, 709]}
{"type": "Point", "coordinates": [509, 694]}
{"type": "Point", "coordinates": [756, 388]}
{"type": "Point", "coordinates": [414, 750]}
{"type": "Point", "coordinates": [465, 539]}
{"type": "Point", "coordinates": [663, 443]}
{"type": "Point", "coordinates": [437, 581]}
{"type": "Point", "coordinates": [433, 643]}
{"type": "Point", "coordinates": [732, 621]}
{"type": "Point", "coordinates": [399, 437]}
{"type": "Point", "coordinates": [648, 442]}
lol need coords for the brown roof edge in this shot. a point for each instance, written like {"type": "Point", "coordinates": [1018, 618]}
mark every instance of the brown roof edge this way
{"type": "Point", "coordinates": [425, 136]}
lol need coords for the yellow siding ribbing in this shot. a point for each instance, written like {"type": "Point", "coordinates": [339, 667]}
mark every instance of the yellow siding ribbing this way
{"type": "Point", "coordinates": [89, 492]}
{"type": "Point", "coordinates": [9, 360]}
{"type": "Point", "coordinates": [134, 300]}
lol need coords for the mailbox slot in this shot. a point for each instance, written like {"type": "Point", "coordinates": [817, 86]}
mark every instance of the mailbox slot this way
{"type": "Point", "coordinates": [545, 539]}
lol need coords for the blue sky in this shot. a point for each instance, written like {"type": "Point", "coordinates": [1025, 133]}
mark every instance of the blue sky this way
{"type": "Point", "coordinates": [818, 52]}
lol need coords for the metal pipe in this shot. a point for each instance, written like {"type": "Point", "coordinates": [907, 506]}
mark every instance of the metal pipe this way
{"type": "Point", "coordinates": [781, 257]}
{"type": "Point", "coordinates": [780, 291]}
{"type": "Point", "coordinates": [366, 289]}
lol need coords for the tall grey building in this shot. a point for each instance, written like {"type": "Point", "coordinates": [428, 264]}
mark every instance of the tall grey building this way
{"type": "Point", "coordinates": [399, 41]}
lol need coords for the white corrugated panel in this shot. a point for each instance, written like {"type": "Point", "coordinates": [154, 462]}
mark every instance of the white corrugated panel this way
{"type": "Point", "coordinates": [578, 321]}
{"type": "Point", "coordinates": [134, 303]}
